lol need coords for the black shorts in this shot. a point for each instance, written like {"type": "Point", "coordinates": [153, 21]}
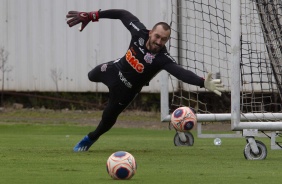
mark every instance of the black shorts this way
{"type": "Point", "coordinates": [119, 88]}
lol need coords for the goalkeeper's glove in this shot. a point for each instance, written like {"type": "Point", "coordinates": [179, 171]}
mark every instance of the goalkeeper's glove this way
{"type": "Point", "coordinates": [82, 17]}
{"type": "Point", "coordinates": [213, 85]}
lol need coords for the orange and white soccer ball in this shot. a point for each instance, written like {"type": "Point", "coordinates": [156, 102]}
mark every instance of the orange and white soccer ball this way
{"type": "Point", "coordinates": [121, 165]}
{"type": "Point", "coordinates": [183, 119]}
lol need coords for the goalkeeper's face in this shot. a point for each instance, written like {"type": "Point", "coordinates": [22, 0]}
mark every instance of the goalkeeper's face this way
{"type": "Point", "coordinates": [157, 39]}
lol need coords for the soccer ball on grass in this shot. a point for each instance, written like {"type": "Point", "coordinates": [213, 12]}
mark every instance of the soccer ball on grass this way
{"type": "Point", "coordinates": [121, 165]}
{"type": "Point", "coordinates": [183, 119]}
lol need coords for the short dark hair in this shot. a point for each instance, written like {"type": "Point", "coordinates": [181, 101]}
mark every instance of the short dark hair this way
{"type": "Point", "coordinates": [163, 24]}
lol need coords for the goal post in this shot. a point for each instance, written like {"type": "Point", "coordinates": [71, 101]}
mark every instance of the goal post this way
{"type": "Point", "coordinates": [235, 62]}
{"type": "Point", "coordinates": [274, 122]}
{"type": "Point", "coordinates": [240, 42]}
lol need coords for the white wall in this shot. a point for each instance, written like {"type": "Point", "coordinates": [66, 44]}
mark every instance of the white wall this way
{"type": "Point", "coordinates": [39, 41]}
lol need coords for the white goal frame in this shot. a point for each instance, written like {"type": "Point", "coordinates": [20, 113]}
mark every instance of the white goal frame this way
{"type": "Point", "coordinates": [239, 122]}
{"type": "Point", "coordinates": [236, 123]}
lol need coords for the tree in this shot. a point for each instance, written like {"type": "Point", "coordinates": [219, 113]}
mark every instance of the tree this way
{"type": "Point", "coordinates": [56, 75]}
{"type": "Point", "coordinates": [4, 69]}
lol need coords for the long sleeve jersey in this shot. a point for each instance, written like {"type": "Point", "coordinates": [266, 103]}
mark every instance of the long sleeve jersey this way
{"type": "Point", "coordinates": [138, 66]}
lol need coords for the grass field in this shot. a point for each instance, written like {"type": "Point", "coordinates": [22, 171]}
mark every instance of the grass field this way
{"type": "Point", "coordinates": [42, 153]}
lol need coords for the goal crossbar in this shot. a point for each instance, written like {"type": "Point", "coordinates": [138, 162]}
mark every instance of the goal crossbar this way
{"type": "Point", "coordinates": [268, 122]}
{"type": "Point", "coordinates": [227, 117]}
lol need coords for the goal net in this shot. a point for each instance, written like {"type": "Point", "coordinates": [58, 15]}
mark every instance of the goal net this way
{"type": "Point", "coordinates": [201, 42]}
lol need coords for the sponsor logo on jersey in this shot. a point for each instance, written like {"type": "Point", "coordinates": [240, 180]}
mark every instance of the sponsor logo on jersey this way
{"type": "Point", "coordinates": [134, 26]}
{"type": "Point", "coordinates": [149, 57]}
{"type": "Point", "coordinates": [104, 67]}
{"type": "Point", "coordinates": [135, 43]}
{"type": "Point", "coordinates": [141, 41]}
{"type": "Point", "coordinates": [171, 58]}
{"type": "Point", "coordinates": [139, 67]}
{"type": "Point", "coordinates": [124, 80]}
{"type": "Point", "coordinates": [132, 51]}
{"type": "Point", "coordinates": [142, 50]}
{"type": "Point", "coordinates": [117, 60]}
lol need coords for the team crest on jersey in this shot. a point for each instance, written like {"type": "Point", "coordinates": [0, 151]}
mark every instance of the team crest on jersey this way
{"type": "Point", "coordinates": [141, 41]}
{"type": "Point", "coordinates": [149, 58]}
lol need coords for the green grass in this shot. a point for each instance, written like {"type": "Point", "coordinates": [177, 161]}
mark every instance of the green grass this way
{"type": "Point", "coordinates": [42, 153]}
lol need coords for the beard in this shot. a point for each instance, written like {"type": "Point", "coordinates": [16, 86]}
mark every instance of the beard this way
{"type": "Point", "coordinates": [154, 47]}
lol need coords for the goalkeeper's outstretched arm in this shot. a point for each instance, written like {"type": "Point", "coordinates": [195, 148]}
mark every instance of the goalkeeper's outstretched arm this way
{"type": "Point", "coordinates": [190, 77]}
{"type": "Point", "coordinates": [76, 17]}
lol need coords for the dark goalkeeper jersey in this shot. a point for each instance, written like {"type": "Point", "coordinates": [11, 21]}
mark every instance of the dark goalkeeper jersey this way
{"type": "Point", "coordinates": [138, 66]}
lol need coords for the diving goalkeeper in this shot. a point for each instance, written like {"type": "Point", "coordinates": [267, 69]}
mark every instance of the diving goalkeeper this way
{"type": "Point", "coordinates": [145, 57]}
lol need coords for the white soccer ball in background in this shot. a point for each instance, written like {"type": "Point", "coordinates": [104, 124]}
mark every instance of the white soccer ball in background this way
{"type": "Point", "coordinates": [121, 165]}
{"type": "Point", "coordinates": [183, 119]}
{"type": "Point", "coordinates": [217, 141]}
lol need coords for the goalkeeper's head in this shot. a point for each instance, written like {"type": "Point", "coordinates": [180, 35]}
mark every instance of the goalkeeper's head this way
{"type": "Point", "coordinates": [158, 37]}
